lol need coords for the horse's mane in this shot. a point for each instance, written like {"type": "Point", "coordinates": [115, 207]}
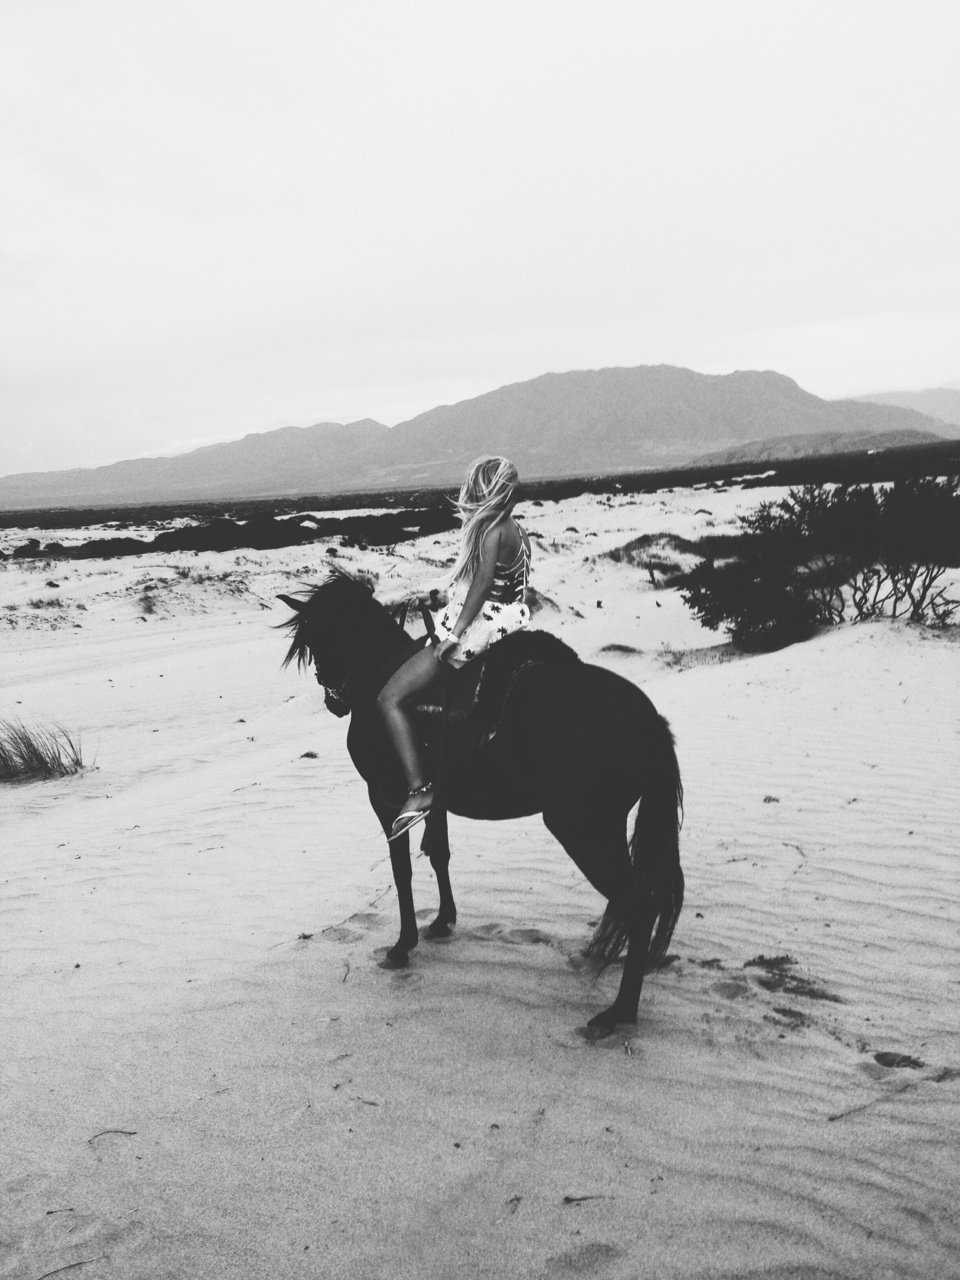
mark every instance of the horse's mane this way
{"type": "Point", "coordinates": [336, 590]}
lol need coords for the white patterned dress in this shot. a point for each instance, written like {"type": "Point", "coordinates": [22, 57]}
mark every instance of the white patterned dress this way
{"type": "Point", "coordinates": [503, 611]}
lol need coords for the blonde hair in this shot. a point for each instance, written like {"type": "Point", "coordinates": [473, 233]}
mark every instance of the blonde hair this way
{"type": "Point", "coordinates": [486, 494]}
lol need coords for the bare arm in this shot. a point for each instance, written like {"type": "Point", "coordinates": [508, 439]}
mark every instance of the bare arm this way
{"type": "Point", "coordinates": [482, 581]}
{"type": "Point", "coordinates": [478, 592]}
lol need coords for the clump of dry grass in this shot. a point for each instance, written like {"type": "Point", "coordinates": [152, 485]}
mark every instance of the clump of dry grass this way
{"type": "Point", "coordinates": [28, 754]}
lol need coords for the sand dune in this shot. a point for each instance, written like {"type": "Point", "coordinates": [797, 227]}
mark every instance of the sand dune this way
{"type": "Point", "coordinates": [205, 1073]}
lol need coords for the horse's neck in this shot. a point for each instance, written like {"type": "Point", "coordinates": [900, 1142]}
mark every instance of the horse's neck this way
{"type": "Point", "coordinates": [374, 644]}
{"type": "Point", "coordinates": [382, 671]}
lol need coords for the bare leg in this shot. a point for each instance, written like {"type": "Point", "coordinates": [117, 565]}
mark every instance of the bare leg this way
{"type": "Point", "coordinates": [396, 701]}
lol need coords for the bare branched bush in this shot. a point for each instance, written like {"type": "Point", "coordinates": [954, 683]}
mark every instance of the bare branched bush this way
{"type": "Point", "coordinates": [30, 754]}
{"type": "Point", "coordinates": [822, 556]}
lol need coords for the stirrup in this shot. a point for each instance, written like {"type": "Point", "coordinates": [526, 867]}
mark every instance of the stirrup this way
{"type": "Point", "coordinates": [413, 817]}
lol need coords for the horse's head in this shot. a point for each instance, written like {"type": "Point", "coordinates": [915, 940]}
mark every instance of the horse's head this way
{"type": "Point", "coordinates": [342, 631]}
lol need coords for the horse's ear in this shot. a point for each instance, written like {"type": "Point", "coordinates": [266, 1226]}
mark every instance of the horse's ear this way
{"type": "Point", "coordinates": [296, 605]}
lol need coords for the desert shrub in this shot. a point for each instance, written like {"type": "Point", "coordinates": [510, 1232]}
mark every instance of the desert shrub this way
{"type": "Point", "coordinates": [822, 556]}
{"type": "Point", "coordinates": [50, 602]}
{"type": "Point", "coordinates": [27, 754]}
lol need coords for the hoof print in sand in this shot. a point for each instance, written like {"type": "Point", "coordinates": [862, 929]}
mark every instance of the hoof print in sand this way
{"type": "Point", "coordinates": [731, 988]}
{"type": "Point", "coordinates": [514, 937]}
{"type": "Point", "coordinates": [365, 919]}
{"type": "Point", "coordinates": [776, 974]}
{"type": "Point", "coordinates": [353, 929]}
{"type": "Point", "coordinates": [341, 933]}
{"type": "Point", "coordinates": [487, 932]}
{"type": "Point", "coordinates": [529, 937]}
{"type": "Point", "coordinates": [408, 977]}
{"type": "Point", "coordinates": [585, 1259]}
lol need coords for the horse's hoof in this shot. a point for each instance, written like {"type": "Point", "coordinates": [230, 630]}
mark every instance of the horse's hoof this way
{"type": "Point", "coordinates": [438, 929]}
{"type": "Point", "coordinates": [594, 1034]}
{"type": "Point", "coordinates": [396, 958]}
{"type": "Point", "coordinates": [604, 1024]}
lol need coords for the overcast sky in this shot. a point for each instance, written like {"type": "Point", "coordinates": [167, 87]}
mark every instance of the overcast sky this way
{"type": "Point", "coordinates": [223, 216]}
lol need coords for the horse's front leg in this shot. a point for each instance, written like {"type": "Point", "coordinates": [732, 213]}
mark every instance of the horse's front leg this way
{"type": "Point", "coordinates": [398, 955]}
{"type": "Point", "coordinates": [436, 845]}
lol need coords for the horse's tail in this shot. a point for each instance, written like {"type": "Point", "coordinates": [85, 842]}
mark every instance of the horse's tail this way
{"type": "Point", "coordinates": [655, 845]}
{"type": "Point", "coordinates": [655, 856]}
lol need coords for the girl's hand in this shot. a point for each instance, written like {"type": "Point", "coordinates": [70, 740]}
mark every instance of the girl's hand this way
{"type": "Point", "coordinates": [446, 647]}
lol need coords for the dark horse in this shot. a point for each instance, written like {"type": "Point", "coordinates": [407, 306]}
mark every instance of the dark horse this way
{"type": "Point", "coordinates": [577, 743]}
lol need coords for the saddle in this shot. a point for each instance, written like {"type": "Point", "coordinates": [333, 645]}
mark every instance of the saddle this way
{"type": "Point", "coordinates": [476, 694]}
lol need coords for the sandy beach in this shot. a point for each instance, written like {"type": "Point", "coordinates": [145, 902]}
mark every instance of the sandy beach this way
{"type": "Point", "coordinates": [205, 1074]}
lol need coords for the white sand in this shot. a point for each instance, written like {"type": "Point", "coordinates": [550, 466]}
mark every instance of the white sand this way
{"type": "Point", "coordinates": [189, 1089]}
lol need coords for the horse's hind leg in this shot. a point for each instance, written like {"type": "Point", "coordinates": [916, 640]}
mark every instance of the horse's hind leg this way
{"type": "Point", "coordinates": [625, 1006]}
{"type": "Point", "coordinates": [436, 845]}
{"type": "Point", "coordinates": [598, 845]}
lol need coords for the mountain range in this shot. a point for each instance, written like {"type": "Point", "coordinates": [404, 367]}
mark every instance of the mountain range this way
{"type": "Point", "coordinates": [942, 403]}
{"type": "Point", "coordinates": [579, 423]}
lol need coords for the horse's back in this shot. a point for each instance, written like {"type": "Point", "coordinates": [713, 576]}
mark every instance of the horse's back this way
{"type": "Point", "coordinates": [580, 726]}
{"type": "Point", "coordinates": [582, 695]}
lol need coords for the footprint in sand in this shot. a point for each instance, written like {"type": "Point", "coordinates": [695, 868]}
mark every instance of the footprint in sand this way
{"type": "Point", "coordinates": [731, 988]}
{"type": "Point", "coordinates": [485, 932]}
{"type": "Point", "coordinates": [354, 928]}
{"type": "Point", "coordinates": [514, 937]}
{"type": "Point", "coordinates": [366, 918]}
{"type": "Point", "coordinates": [584, 1260]}
{"type": "Point", "coordinates": [532, 937]}
{"type": "Point", "coordinates": [341, 933]}
{"type": "Point", "coordinates": [407, 977]}
{"type": "Point", "coordinates": [57, 1231]}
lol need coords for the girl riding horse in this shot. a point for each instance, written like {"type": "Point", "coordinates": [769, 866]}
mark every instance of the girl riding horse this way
{"type": "Point", "coordinates": [486, 603]}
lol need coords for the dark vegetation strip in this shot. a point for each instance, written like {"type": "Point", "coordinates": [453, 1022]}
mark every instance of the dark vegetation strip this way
{"type": "Point", "coordinates": [414, 513]}
{"type": "Point", "coordinates": [260, 533]}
